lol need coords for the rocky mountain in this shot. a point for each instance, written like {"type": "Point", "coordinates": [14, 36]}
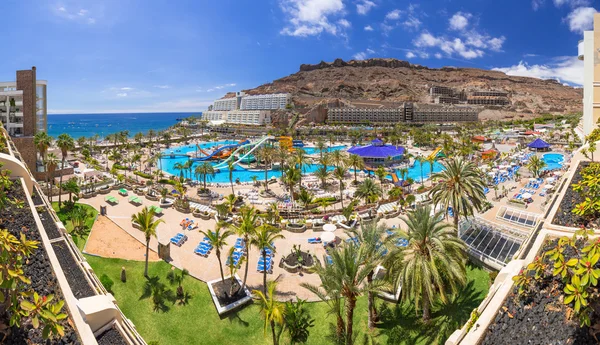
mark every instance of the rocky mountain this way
{"type": "Point", "coordinates": [388, 82]}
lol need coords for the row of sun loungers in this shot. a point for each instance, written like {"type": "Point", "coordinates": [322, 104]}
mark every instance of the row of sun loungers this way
{"type": "Point", "coordinates": [178, 239]}
{"type": "Point", "coordinates": [201, 208]}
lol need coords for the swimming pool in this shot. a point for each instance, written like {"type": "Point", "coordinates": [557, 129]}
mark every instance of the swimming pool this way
{"type": "Point", "coordinates": [313, 150]}
{"type": "Point", "coordinates": [167, 164]}
{"type": "Point", "coordinates": [553, 161]}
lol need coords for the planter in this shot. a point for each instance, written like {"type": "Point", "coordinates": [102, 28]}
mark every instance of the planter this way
{"type": "Point", "coordinates": [223, 303]}
{"type": "Point", "coordinates": [290, 263]}
{"type": "Point", "coordinates": [201, 215]}
{"type": "Point", "coordinates": [88, 195]}
{"type": "Point", "coordinates": [184, 210]}
{"type": "Point", "coordinates": [152, 197]}
{"type": "Point", "coordinates": [104, 190]}
{"type": "Point", "coordinates": [165, 203]}
{"type": "Point", "coordinates": [296, 228]}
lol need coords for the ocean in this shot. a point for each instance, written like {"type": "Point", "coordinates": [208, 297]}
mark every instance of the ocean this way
{"type": "Point", "coordinates": [87, 125]}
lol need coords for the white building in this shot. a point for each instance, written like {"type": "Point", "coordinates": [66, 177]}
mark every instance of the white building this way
{"type": "Point", "coordinates": [12, 110]}
{"type": "Point", "coordinates": [266, 102]}
{"type": "Point", "coordinates": [589, 52]}
{"type": "Point", "coordinates": [242, 117]}
{"type": "Point", "coordinates": [213, 115]}
{"type": "Point", "coordinates": [225, 104]}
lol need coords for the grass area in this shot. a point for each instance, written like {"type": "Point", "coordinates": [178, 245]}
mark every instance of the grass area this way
{"type": "Point", "coordinates": [199, 319]}
{"type": "Point", "coordinates": [78, 238]}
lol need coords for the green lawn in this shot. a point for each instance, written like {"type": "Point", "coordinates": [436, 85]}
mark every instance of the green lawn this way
{"type": "Point", "coordinates": [81, 238]}
{"type": "Point", "coordinates": [198, 321]}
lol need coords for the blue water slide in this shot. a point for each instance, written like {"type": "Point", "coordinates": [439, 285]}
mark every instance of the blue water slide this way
{"type": "Point", "coordinates": [226, 147]}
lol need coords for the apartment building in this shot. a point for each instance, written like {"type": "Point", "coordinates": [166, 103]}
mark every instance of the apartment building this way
{"type": "Point", "coordinates": [23, 111]}
{"type": "Point", "coordinates": [214, 115]}
{"type": "Point", "coordinates": [589, 52]}
{"type": "Point", "coordinates": [225, 104]}
{"type": "Point", "coordinates": [266, 102]}
{"type": "Point", "coordinates": [408, 112]}
{"type": "Point", "coordinates": [242, 117]}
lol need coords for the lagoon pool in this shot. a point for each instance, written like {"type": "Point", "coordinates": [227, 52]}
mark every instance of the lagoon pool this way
{"type": "Point", "coordinates": [553, 161]}
{"type": "Point", "coordinates": [313, 150]}
{"type": "Point", "coordinates": [167, 164]}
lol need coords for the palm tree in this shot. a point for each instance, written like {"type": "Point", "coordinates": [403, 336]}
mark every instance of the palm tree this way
{"type": "Point", "coordinates": [65, 143]}
{"type": "Point", "coordinates": [218, 239]}
{"type": "Point", "coordinates": [421, 160]}
{"type": "Point", "coordinates": [206, 170]}
{"type": "Point", "coordinates": [264, 239]}
{"type": "Point", "coordinates": [536, 165]}
{"type": "Point", "coordinates": [266, 155]}
{"type": "Point", "coordinates": [369, 191]}
{"type": "Point", "coordinates": [374, 242]}
{"type": "Point", "coordinates": [322, 147]}
{"type": "Point", "coordinates": [433, 263]}
{"type": "Point", "coordinates": [337, 157]}
{"type": "Point", "coordinates": [431, 160]}
{"type": "Point", "coordinates": [322, 174]}
{"type": "Point", "coordinates": [230, 201]}
{"type": "Point", "coordinates": [305, 197]}
{"type": "Point", "coordinates": [42, 142]}
{"type": "Point", "coordinates": [339, 173]}
{"type": "Point", "coordinates": [357, 163]}
{"type": "Point", "coordinates": [300, 160]}
{"type": "Point", "coordinates": [246, 229]}
{"type": "Point", "coordinates": [381, 174]}
{"type": "Point", "coordinates": [344, 278]}
{"type": "Point", "coordinates": [272, 310]}
{"type": "Point", "coordinates": [230, 168]}
{"type": "Point", "coordinates": [179, 166]}
{"type": "Point", "coordinates": [292, 177]}
{"type": "Point", "coordinates": [145, 220]}
{"type": "Point", "coordinates": [460, 186]}
{"type": "Point", "coordinates": [50, 162]}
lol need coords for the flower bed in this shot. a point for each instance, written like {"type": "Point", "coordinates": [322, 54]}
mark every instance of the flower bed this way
{"type": "Point", "coordinates": [224, 301]}
{"type": "Point", "coordinates": [540, 316]}
{"type": "Point", "coordinates": [292, 264]}
{"type": "Point", "coordinates": [295, 227]}
{"type": "Point", "coordinates": [37, 268]}
{"type": "Point", "coordinates": [111, 337]}
{"type": "Point", "coordinates": [564, 215]}
{"type": "Point", "coordinates": [76, 278]}
{"type": "Point", "coordinates": [49, 224]}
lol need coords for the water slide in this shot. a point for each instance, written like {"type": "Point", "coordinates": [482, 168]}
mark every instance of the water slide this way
{"type": "Point", "coordinates": [435, 153]}
{"type": "Point", "coordinates": [395, 178]}
{"type": "Point", "coordinates": [202, 151]}
{"type": "Point", "coordinates": [254, 146]}
{"type": "Point", "coordinates": [216, 152]}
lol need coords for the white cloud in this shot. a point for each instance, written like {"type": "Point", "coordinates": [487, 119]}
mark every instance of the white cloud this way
{"type": "Point", "coordinates": [536, 4]}
{"type": "Point", "coordinates": [410, 55]}
{"type": "Point", "coordinates": [564, 69]}
{"type": "Point", "coordinates": [412, 23]}
{"type": "Point", "coordinates": [368, 28]}
{"type": "Point", "coordinates": [364, 6]}
{"type": "Point", "coordinates": [449, 46]}
{"type": "Point", "coordinates": [363, 55]}
{"type": "Point", "coordinates": [217, 87]}
{"type": "Point", "coordinates": [581, 19]}
{"type": "Point", "coordinates": [438, 55]}
{"type": "Point", "coordinates": [122, 94]}
{"type": "Point", "coordinates": [571, 3]}
{"type": "Point", "coordinates": [344, 23]}
{"type": "Point", "coordinates": [393, 15]}
{"type": "Point", "coordinates": [126, 89]}
{"type": "Point", "coordinates": [80, 15]}
{"type": "Point", "coordinates": [312, 17]}
{"type": "Point", "coordinates": [459, 21]}
{"type": "Point", "coordinates": [162, 86]}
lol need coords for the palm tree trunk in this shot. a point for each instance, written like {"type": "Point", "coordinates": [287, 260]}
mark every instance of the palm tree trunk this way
{"type": "Point", "coordinates": [264, 256]}
{"type": "Point", "coordinates": [355, 180]}
{"type": "Point", "coordinates": [220, 267]}
{"type": "Point", "coordinates": [266, 184]}
{"type": "Point", "coordinates": [147, 250]}
{"type": "Point", "coordinates": [349, 319]}
{"type": "Point", "coordinates": [341, 195]}
{"type": "Point", "coordinates": [231, 183]}
{"type": "Point", "coordinates": [273, 332]}
{"type": "Point", "coordinates": [60, 183]}
{"type": "Point", "coordinates": [371, 303]}
{"type": "Point", "coordinates": [426, 307]}
{"type": "Point", "coordinates": [455, 219]}
{"type": "Point", "coordinates": [247, 259]}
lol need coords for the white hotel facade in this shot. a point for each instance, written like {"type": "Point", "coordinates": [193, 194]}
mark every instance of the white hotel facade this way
{"type": "Point", "coordinates": [246, 110]}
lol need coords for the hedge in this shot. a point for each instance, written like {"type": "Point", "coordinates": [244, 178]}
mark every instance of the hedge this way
{"type": "Point", "coordinates": [119, 167]}
{"type": "Point", "coordinates": [166, 181]}
{"type": "Point", "coordinates": [142, 174]}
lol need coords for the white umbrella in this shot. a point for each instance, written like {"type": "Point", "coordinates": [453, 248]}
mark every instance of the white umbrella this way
{"type": "Point", "coordinates": [532, 179]}
{"type": "Point", "coordinates": [557, 173]}
{"type": "Point", "coordinates": [330, 227]}
{"type": "Point", "coordinates": [328, 236]}
{"type": "Point", "coordinates": [549, 186]}
{"type": "Point", "coordinates": [527, 195]}
{"type": "Point", "coordinates": [503, 172]}
{"type": "Point", "coordinates": [550, 179]}
{"type": "Point", "coordinates": [492, 173]}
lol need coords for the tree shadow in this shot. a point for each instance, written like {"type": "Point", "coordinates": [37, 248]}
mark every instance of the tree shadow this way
{"type": "Point", "coordinates": [159, 293]}
{"type": "Point", "coordinates": [235, 318]}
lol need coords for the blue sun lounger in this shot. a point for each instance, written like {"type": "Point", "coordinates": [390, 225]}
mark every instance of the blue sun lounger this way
{"type": "Point", "coordinates": [314, 240]}
{"type": "Point", "coordinates": [178, 239]}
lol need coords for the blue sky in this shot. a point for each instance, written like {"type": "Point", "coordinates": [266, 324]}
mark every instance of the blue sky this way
{"type": "Point", "coordinates": [152, 55]}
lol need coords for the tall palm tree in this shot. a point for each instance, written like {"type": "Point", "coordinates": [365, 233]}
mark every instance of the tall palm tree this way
{"type": "Point", "coordinates": [381, 174]}
{"type": "Point", "coordinates": [374, 242]}
{"type": "Point", "coordinates": [272, 310]}
{"type": "Point", "coordinates": [206, 170]}
{"type": "Point", "coordinates": [433, 263]}
{"type": "Point", "coordinates": [339, 173]}
{"type": "Point", "coordinates": [357, 163]}
{"type": "Point", "coordinates": [345, 276]}
{"type": "Point", "coordinates": [50, 163]}
{"type": "Point", "coordinates": [65, 143]}
{"type": "Point", "coordinates": [322, 174]}
{"type": "Point", "coordinates": [218, 239]}
{"type": "Point", "coordinates": [292, 177]}
{"type": "Point", "coordinates": [421, 160]}
{"type": "Point", "coordinates": [246, 229]}
{"type": "Point", "coordinates": [180, 167]}
{"type": "Point", "coordinates": [337, 157]}
{"type": "Point", "coordinates": [322, 147]}
{"type": "Point", "coordinates": [147, 224]}
{"type": "Point", "coordinates": [300, 159]}
{"type": "Point", "coordinates": [231, 168]}
{"type": "Point", "coordinates": [368, 191]}
{"type": "Point", "coordinates": [460, 186]}
{"type": "Point", "coordinates": [266, 154]}
{"type": "Point", "coordinates": [536, 165]}
{"type": "Point", "coordinates": [42, 142]}
{"type": "Point", "coordinates": [264, 239]}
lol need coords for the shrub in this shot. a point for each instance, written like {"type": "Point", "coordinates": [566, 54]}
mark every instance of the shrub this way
{"type": "Point", "coordinates": [327, 198]}
{"type": "Point", "coordinates": [493, 275]}
{"type": "Point", "coordinates": [120, 167]}
{"type": "Point", "coordinates": [142, 174]}
{"type": "Point", "coordinates": [167, 181]}
{"type": "Point", "coordinates": [107, 282]}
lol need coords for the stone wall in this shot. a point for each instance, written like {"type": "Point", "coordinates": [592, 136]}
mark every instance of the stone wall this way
{"type": "Point", "coordinates": [26, 148]}
{"type": "Point", "coordinates": [26, 82]}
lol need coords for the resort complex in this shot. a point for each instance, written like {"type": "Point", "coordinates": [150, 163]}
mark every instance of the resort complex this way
{"type": "Point", "coordinates": [273, 219]}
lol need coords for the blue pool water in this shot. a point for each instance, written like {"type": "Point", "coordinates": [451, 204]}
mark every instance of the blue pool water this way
{"type": "Point", "coordinates": [553, 160]}
{"type": "Point", "coordinates": [245, 175]}
{"type": "Point", "coordinates": [313, 150]}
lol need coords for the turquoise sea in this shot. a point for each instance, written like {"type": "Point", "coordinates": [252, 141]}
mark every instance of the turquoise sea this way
{"type": "Point", "coordinates": [87, 125]}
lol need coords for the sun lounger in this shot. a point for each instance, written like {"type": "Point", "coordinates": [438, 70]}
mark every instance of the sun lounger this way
{"type": "Point", "coordinates": [401, 242]}
{"type": "Point", "coordinates": [328, 260]}
{"type": "Point", "coordinates": [178, 239]}
{"type": "Point", "coordinates": [314, 240]}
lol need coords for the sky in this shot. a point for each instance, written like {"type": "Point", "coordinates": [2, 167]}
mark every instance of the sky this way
{"type": "Point", "coordinates": [178, 56]}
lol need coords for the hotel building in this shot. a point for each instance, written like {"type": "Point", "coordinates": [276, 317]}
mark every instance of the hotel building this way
{"type": "Point", "coordinates": [246, 110]}
{"type": "Point", "coordinates": [242, 117]}
{"type": "Point", "coordinates": [409, 112]}
{"type": "Point", "coordinates": [589, 52]}
{"type": "Point", "coordinates": [264, 102]}
{"type": "Point", "coordinates": [225, 104]}
{"type": "Point", "coordinates": [23, 112]}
